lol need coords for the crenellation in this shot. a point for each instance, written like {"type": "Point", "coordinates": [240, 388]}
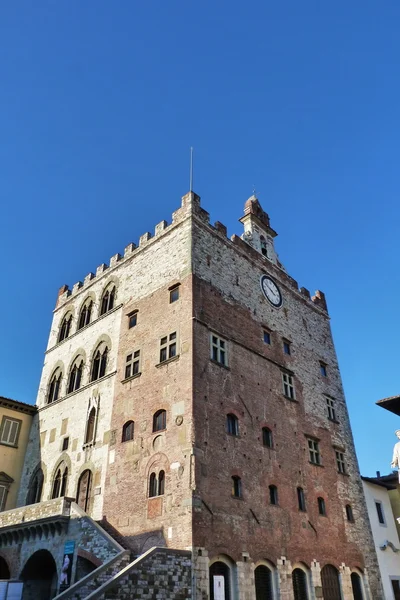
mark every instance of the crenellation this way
{"type": "Point", "coordinates": [129, 249]}
{"type": "Point", "coordinates": [114, 260]}
{"type": "Point", "coordinates": [305, 292]}
{"type": "Point", "coordinates": [101, 269]}
{"type": "Point", "coordinates": [89, 277]}
{"type": "Point", "coordinates": [144, 238]}
{"type": "Point", "coordinates": [221, 228]}
{"type": "Point", "coordinates": [77, 286]}
{"type": "Point", "coordinates": [160, 227]}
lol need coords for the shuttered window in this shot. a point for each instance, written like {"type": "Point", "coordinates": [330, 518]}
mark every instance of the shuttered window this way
{"type": "Point", "coordinates": [9, 431]}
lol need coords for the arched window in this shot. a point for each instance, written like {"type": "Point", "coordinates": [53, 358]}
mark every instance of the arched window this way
{"type": "Point", "coordinates": [84, 491]}
{"type": "Point", "coordinates": [330, 583]}
{"type": "Point", "coordinates": [263, 583]}
{"type": "Point", "coordinates": [128, 431]}
{"type": "Point", "coordinates": [152, 485]}
{"type": "Point", "coordinates": [90, 426]}
{"type": "Point", "coordinates": [299, 581]}
{"type": "Point", "coordinates": [35, 487]}
{"type": "Point", "coordinates": [99, 364]}
{"type": "Point", "coordinates": [357, 586]}
{"type": "Point", "coordinates": [321, 507]}
{"type": "Point", "coordinates": [301, 499]}
{"type": "Point", "coordinates": [54, 388]}
{"type": "Point", "coordinates": [85, 315]}
{"type": "Point", "coordinates": [273, 494]}
{"type": "Point", "coordinates": [349, 513]}
{"type": "Point", "coordinates": [75, 375]}
{"type": "Point", "coordinates": [232, 424]}
{"type": "Point", "coordinates": [159, 420]}
{"type": "Point", "coordinates": [107, 301]}
{"type": "Point", "coordinates": [263, 244]}
{"type": "Point", "coordinates": [65, 328]}
{"type": "Point", "coordinates": [60, 481]}
{"type": "Point", "coordinates": [161, 483]}
{"type": "Point", "coordinates": [236, 487]}
{"type": "Point", "coordinates": [267, 437]}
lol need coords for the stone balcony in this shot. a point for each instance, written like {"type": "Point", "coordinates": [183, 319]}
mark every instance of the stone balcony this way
{"type": "Point", "coordinates": [41, 520]}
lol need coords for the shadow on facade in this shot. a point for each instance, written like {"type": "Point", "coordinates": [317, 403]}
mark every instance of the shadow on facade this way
{"type": "Point", "coordinates": [39, 576]}
{"type": "Point", "coordinates": [138, 544]}
{"type": "Point", "coordinates": [4, 570]}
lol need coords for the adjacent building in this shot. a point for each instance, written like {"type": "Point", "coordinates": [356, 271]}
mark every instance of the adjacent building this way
{"type": "Point", "coordinates": [15, 422]}
{"type": "Point", "coordinates": [381, 492]}
{"type": "Point", "coordinates": [191, 399]}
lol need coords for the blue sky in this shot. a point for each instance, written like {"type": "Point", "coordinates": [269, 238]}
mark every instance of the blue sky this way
{"type": "Point", "coordinates": [99, 104]}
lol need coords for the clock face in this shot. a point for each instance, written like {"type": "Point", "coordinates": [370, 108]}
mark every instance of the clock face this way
{"type": "Point", "coordinates": [271, 291]}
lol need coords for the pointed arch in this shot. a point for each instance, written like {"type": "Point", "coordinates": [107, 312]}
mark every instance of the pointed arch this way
{"type": "Point", "coordinates": [108, 298]}
{"type": "Point", "coordinates": [86, 311]}
{"type": "Point", "coordinates": [75, 374]}
{"type": "Point", "coordinates": [35, 488]}
{"type": "Point", "coordinates": [84, 491]}
{"type": "Point", "coordinates": [65, 327]}
{"type": "Point", "coordinates": [99, 362]}
{"type": "Point", "coordinates": [54, 388]}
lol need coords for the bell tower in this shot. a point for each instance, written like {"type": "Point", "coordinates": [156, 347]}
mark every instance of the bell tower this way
{"type": "Point", "coordinates": [257, 230]}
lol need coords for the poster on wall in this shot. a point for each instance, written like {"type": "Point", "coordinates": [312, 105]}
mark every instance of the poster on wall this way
{"type": "Point", "coordinates": [66, 567]}
{"type": "Point", "coordinates": [219, 587]}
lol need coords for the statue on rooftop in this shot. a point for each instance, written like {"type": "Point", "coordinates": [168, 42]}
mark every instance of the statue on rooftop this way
{"type": "Point", "coordinates": [396, 453]}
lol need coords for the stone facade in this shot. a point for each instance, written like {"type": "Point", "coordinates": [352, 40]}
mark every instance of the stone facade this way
{"type": "Point", "coordinates": [247, 503]}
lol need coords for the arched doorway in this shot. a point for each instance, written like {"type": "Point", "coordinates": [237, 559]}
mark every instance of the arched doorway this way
{"type": "Point", "coordinates": [4, 570]}
{"type": "Point", "coordinates": [220, 576]}
{"type": "Point", "coordinates": [299, 581]}
{"type": "Point", "coordinates": [263, 583]}
{"type": "Point", "coordinates": [330, 583]}
{"type": "Point", "coordinates": [357, 586]}
{"type": "Point", "coordinates": [39, 576]}
{"type": "Point", "coordinates": [84, 492]}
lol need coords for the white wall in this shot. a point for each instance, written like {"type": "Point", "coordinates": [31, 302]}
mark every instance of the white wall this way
{"type": "Point", "coordinates": [389, 561]}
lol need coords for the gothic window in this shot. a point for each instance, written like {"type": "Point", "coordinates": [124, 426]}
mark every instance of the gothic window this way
{"type": "Point", "coordinates": [128, 431]}
{"type": "Point", "coordinates": [35, 487]}
{"type": "Point", "coordinates": [60, 481]}
{"type": "Point", "coordinates": [299, 581]}
{"type": "Point", "coordinates": [301, 499]}
{"type": "Point", "coordinates": [75, 375]}
{"type": "Point", "coordinates": [54, 388]}
{"type": "Point", "coordinates": [236, 487]}
{"type": "Point", "coordinates": [65, 328]}
{"type": "Point", "coordinates": [84, 491]}
{"type": "Point", "coordinates": [273, 494]}
{"type": "Point", "coordinates": [321, 507]}
{"type": "Point", "coordinates": [99, 364]}
{"type": "Point", "coordinates": [267, 437]}
{"type": "Point", "coordinates": [90, 426]}
{"type": "Point", "coordinates": [159, 420]}
{"type": "Point", "coordinates": [107, 301]}
{"type": "Point", "coordinates": [232, 425]}
{"type": "Point", "coordinates": [263, 244]}
{"type": "Point", "coordinates": [85, 315]}
{"type": "Point", "coordinates": [157, 484]}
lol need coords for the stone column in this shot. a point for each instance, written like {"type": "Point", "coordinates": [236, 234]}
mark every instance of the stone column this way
{"type": "Point", "coordinates": [284, 568]}
{"type": "Point", "coordinates": [316, 578]}
{"type": "Point", "coordinates": [245, 578]}
{"type": "Point", "coordinates": [201, 578]}
{"type": "Point", "coordinates": [345, 580]}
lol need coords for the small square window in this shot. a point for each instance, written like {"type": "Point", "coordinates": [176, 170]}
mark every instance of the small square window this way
{"type": "Point", "coordinates": [132, 320]}
{"type": "Point", "coordinates": [267, 337]}
{"type": "Point", "coordinates": [174, 294]}
{"type": "Point", "coordinates": [322, 369]}
{"type": "Point", "coordinates": [65, 444]}
{"type": "Point", "coordinates": [286, 347]}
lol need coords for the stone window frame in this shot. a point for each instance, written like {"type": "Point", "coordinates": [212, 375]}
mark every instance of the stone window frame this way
{"type": "Point", "coordinates": [289, 390]}
{"type": "Point", "coordinates": [132, 318]}
{"type": "Point", "coordinates": [133, 361]}
{"type": "Point", "coordinates": [237, 488]}
{"type": "Point", "coordinates": [59, 482]}
{"type": "Point", "coordinates": [169, 345]}
{"type": "Point", "coordinates": [308, 578]}
{"type": "Point", "coordinates": [314, 450]}
{"type": "Point", "coordinates": [321, 506]}
{"type": "Point", "coordinates": [267, 437]}
{"type": "Point", "coordinates": [108, 298]}
{"type": "Point", "coordinates": [340, 460]}
{"type": "Point", "coordinates": [323, 368]}
{"type": "Point", "coordinates": [158, 413]}
{"type": "Point", "coordinates": [267, 336]}
{"type": "Point", "coordinates": [65, 327]}
{"type": "Point", "coordinates": [301, 499]}
{"type": "Point", "coordinates": [156, 485]}
{"type": "Point", "coordinates": [102, 349]}
{"type": "Point", "coordinates": [273, 495]}
{"type": "Point", "coordinates": [287, 346]}
{"type": "Point", "coordinates": [274, 574]}
{"type": "Point", "coordinates": [128, 428]}
{"type": "Point", "coordinates": [349, 513]}
{"type": "Point", "coordinates": [331, 408]}
{"type": "Point", "coordinates": [219, 349]}
{"type": "Point", "coordinates": [54, 393]}
{"type": "Point", "coordinates": [77, 364]}
{"type": "Point", "coordinates": [232, 425]}
{"type": "Point", "coordinates": [14, 443]}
